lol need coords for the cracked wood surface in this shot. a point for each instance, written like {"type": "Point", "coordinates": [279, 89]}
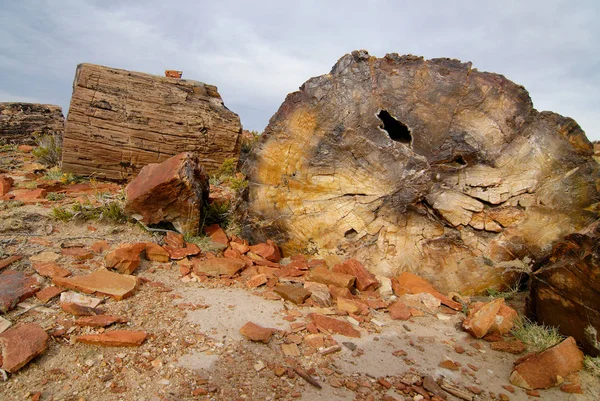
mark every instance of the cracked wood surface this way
{"type": "Point", "coordinates": [20, 122]}
{"type": "Point", "coordinates": [484, 183]}
{"type": "Point", "coordinates": [119, 121]}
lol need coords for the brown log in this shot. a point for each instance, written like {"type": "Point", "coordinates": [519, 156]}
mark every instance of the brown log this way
{"type": "Point", "coordinates": [119, 121]}
{"type": "Point", "coordinates": [21, 122]}
{"type": "Point", "coordinates": [428, 166]}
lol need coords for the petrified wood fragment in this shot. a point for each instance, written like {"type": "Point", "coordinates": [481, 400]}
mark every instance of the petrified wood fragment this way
{"type": "Point", "coordinates": [20, 122]}
{"type": "Point", "coordinates": [565, 292]}
{"type": "Point", "coordinates": [119, 121]}
{"type": "Point", "coordinates": [427, 166]}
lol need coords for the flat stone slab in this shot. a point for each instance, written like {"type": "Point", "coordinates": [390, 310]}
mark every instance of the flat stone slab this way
{"type": "Point", "coordinates": [14, 288]}
{"type": "Point", "coordinates": [115, 285]}
{"type": "Point", "coordinates": [116, 338]}
{"type": "Point", "coordinates": [21, 344]}
{"type": "Point", "coordinates": [219, 266]}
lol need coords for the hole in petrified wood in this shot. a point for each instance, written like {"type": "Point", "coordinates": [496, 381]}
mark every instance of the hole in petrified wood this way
{"type": "Point", "coordinates": [350, 234]}
{"type": "Point", "coordinates": [397, 130]}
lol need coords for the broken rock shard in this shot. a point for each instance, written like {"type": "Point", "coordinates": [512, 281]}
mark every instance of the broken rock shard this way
{"type": "Point", "coordinates": [174, 191]}
{"type": "Point", "coordinates": [426, 166]}
{"type": "Point", "coordinates": [120, 121]}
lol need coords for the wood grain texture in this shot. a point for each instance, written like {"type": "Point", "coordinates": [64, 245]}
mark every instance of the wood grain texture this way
{"type": "Point", "coordinates": [19, 122]}
{"type": "Point", "coordinates": [120, 120]}
{"type": "Point", "coordinates": [461, 180]}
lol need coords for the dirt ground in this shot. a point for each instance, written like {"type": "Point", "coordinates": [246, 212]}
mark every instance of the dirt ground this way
{"type": "Point", "coordinates": [194, 350]}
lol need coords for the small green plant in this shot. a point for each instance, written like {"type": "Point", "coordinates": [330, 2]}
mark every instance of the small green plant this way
{"type": "Point", "coordinates": [249, 143]}
{"type": "Point", "coordinates": [49, 149]}
{"type": "Point", "coordinates": [216, 213]}
{"type": "Point", "coordinates": [228, 168]}
{"type": "Point", "coordinates": [27, 185]}
{"type": "Point", "coordinates": [9, 147]}
{"type": "Point", "coordinates": [60, 213]}
{"type": "Point", "coordinates": [508, 294]}
{"type": "Point", "coordinates": [238, 184]}
{"type": "Point", "coordinates": [10, 204]}
{"type": "Point", "coordinates": [536, 336]}
{"type": "Point", "coordinates": [56, 174]}
{"type": "Point", "coordinates": [592, 365]}
{"type": "Point", "coordinates": [55, 196]}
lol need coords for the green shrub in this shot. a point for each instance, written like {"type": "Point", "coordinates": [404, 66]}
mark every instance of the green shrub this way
{"type": "Point", "coordinates": [536, 336]}
{"type": "Point", "coordinates": [49, 149]}
{"type": "Point", "coordinates": [592, 365]}
{"type": "Point", "coordinates": [228, 168]}
{"type": "Point", "coordinates": [55, 196]}
{"type": "Point", "coordinates": [60, 213]}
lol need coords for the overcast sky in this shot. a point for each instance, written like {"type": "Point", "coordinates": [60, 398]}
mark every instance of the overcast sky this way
{"type": "Point", "coordinates": [256, 52]}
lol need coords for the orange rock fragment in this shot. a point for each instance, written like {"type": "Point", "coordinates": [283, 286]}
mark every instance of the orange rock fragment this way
{"type": "Point", "coordinates": [115, 285]}
{"type": "Point", "coordinates": [116, 338]}
{"type": "Point", "coordinates": [549, 367]}
{"type": "Point", "coordinates": [479, 322]}
{"type": "Point", "coordinates": [125, 258]}
{"type": "Point", "coordinates": [48, 293]}
{"type": "Point", "coordinates": [365, 280]}
{"type": "Point", "coordinates": [268, 250]}
{"type": "Point", "coordinates": [217, 234]}
{"type": "Point", "coordinates": [408, 283]}
{"type": "Point", "coordinates": [99, 321]}
{"type": "Point", "coordinates": [156, 253]}
{"type": "Point", "coordinates": [254, 332]}
{"type": "Point", "coordinates": [333, 325]}
{"type": "Point", "coordinates": [326, 276]}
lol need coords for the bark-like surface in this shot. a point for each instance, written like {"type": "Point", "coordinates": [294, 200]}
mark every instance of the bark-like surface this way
{"type": "Point", "coordinates": [119, 121]}
{"type": "Point", "coordinates": [565, 292]}
{"type": "Point", "coordinates": [420, 165]}
{"type": "Point", "coordinates": [20, 122]}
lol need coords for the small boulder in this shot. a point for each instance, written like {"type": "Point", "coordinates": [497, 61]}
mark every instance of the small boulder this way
{"type": "Point", "coordinates": [15, 287]}
{"type": "Point", "coordinates": [254, 332]}
{"type": "Point", "coordinates": [125, 258]}
{"type": "Point", "coordinates": [548, 368]}
{"type": "Point", "coordinates": [268, 250]}
{"type": "Point", "coordinates": [365, 280]}
{"type": "Point", "coordinates": [479, 322]}
{"type": "Point", "coordinates": [5, 184]}
{"type": "Point", "coordinates": [21, 344]}
{"type": "Point", "coordinates": [156, 253]}
{"type": "Point", "coordinates": [173, 191]}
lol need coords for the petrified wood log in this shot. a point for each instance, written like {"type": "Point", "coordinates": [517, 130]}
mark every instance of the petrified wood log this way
{"type": "Point", "coordinates": [424, 166]}
{"type": "Point", "coordinates": [565, 292]}
{"type": "Point", "coordinates": [20, 122]}
{"type": "Point", "coordinates": [119, 121]}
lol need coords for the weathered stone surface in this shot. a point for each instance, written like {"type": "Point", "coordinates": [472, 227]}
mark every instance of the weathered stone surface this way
{"type": "Point", "coordinates": [125, 258]}
{"type": "Point", "coordinates": [79, 310]}
{"type": "Point", "coordinates": [548, 368]}
{"type": "Point", "coordinates": [333, 325]}
{"type": "Point", "coordinates": [156, 253]}
{"type": "Point", "coordinates": [399, 310]}
{"type": "Point", "coordinates": [365, 280]}
{"type": "Point", "coordinates": [268, 250]}
{"type": "Point", "coordinates": [116, 338]}
{"type": "Point", "coordinates": [50, 269]}
{"type": "Point", "coordinates": [478, 323]}
{"type": "Point", "coordinates": [15, 287]}
{"type": "Point", "coordinates": [19, 122]}
{"type": "Point", "coordinates": [99, 320]}
{"type": "Point", "coordinates": [48, 293]}
{"type": "Point", "coordinates": [10, 260]}
{"type": "Point", "coordinates": [120, 121]}
{"type": "Point", "coordinates": [21, 344]}
{"type": "Point", "coordinates": [513, 346]}
{"type": "Point", "coordinates": [388, 160]}
{"type": "Point", "coordinates": [292, 293]}
{"type": "Point", "coordinates": [565, 293]}
{"type": "Point", "coordinates": [325, 276]}
{"type": "Point", "coordinates": [103, 282]}
{"type": "Point", "coordinates": [408, 283]}
{"type": "Point", "coordinates": [219, 266]}
{"type": "Point", "coordinates": [319, 293]}
{"type": "Point", "coordinates": [173, 191]}
{"type": "Point", "coordinates": [217, 234]}
{"type": "Point", "coordinates": [5, 184]}
{"type": "Point", "coordinates": [257, 280]}
{"type": "Point", "coordinates": [254, 332]}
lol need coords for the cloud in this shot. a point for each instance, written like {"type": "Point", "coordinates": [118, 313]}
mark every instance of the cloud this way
{"type": "Point", "coordinates": [257, 52]}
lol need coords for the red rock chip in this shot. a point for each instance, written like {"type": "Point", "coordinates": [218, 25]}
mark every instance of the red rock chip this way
{"type": "Point", "coordinates": [21, 344]}
{"type": "Point", "coordinates": [116, 338]}
{"type": "Point", "coordinates": [254, 332]}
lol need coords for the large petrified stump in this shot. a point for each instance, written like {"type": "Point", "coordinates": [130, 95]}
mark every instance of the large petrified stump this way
{"type": "Point", "coordinates": [21, 122]}
{"type": "Point", "coordinates": [565, 292]}
{"type": "Point", "coordinates": [119, 121]}
{"type": "Point", "coordinates": [424, 166]}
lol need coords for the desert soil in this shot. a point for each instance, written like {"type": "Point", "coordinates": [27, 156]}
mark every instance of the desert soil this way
{"type": "Point", "coordinates": [194, 350]}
